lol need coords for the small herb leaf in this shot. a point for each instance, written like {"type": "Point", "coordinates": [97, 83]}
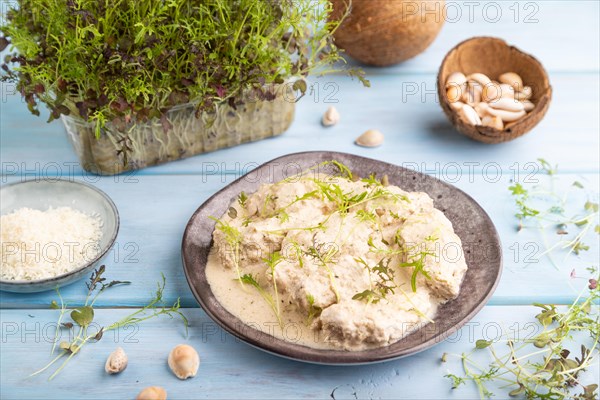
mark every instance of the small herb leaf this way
{"type": "Point", "coordinates": [83, 316]}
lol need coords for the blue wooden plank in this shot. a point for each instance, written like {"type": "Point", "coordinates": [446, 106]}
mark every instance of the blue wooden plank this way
{"type": "Point", "coordinates": [155, 204]}
{"type": "Point", "coordinates": [231, 369]}
{"type": "Point", "coordinates": [405, 109]}
{"type": "Point", "coordinates": [155, 209]}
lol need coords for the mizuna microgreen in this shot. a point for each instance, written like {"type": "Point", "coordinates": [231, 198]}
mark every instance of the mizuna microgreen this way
{"type": "Point", "coordinates": [131, 61]}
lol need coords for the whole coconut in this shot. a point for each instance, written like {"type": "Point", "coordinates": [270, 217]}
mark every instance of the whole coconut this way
{"type": "Point", "coordinates": [386, 32]}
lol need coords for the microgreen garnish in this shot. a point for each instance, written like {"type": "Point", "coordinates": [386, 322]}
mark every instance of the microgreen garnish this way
{"type": "Point", "coordinates": [547, 167]}
{"type": "Point", "coordinates": [248, 279]}
{"type": "Point", "coordinates": [272, 261]}
{"type": "Point", "coordinates": [233, 239]}
{"type": "Point", "coordinates": [383, 285]}
{"type": "Point", "coordinates": [83, 316]}
{"type": "Point", "coordinates": [543, 208]}
{"type": "Point", "coordinates": [372, 180]}
{"type": "Point", "coordinates": [313, 311]}
{"type": "Point", "coordinates": [417, 262]}
{"type": "Point", "coordinates": [343, 170]}
{"type": "Point", "coordinates": [88, 59]}
{"type": "Point", "coordinates": [242, 198]}
{"type": "Point", "coordinates": [324, 254]}
{"type": "Point", "coordinates": [521, 195]}
{"type": "Point", "coordinates": [366, 216]}
{"type": "Point", "coordinates": [540, 366]}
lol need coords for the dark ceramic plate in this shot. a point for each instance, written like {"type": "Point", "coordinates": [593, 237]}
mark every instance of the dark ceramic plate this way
{"type": "Point", "coordinates": [471, 223]}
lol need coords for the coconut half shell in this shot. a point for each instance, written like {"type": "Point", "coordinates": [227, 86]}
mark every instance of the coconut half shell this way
{"type": "Point", "coordinates": [386, 32]}
{"type": "Point", "coordinates": [493, 56]}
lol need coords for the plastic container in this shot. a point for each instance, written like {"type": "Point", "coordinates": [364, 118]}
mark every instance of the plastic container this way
{"type": "Point", "coordinates": [145, 144]}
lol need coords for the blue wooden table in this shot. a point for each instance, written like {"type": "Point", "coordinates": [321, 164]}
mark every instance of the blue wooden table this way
{"type": "Point", "coordinates": [156, 203]}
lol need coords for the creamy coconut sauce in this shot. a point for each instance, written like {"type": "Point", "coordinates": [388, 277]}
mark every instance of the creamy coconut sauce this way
{"type": "Point", "coordinates": [335, 262]}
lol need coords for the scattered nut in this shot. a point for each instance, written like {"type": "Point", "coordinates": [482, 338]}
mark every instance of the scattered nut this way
{"type": "Point", "coordinates": [184, 361]}
{"type": "Point", "coordinates": [457, 105]}
{"type": "Point", "coordinates": [152, 393]}
{"type": "Point", "coordinates": [456, 78]}
{"type": "Point", "coordinates": [507, 104]}
{"type": "Point", "coordinates": [468, 114]}
{"type": "Point", "coordinates": [524, 94]}
{"type": "Point", "coordinates": [482, 109]}
{"type": "Point", "coordinates": [512, 79]}
{"type": "Point", "coordinates": [371, 138]}
{"type": "Point", "coordinates": [480, 78]}
{"type": "Point", "coordinates": [491, 92]}
{"type": "Point", "coordinates": [528, 105]}
{"type": "Point", "coordinates": [454, 93]}
{"type": "Point", "coordinates": [331, 117]}
{"type": "Point", "coordinates": [472, 95]}
{"type": "Point", "coordinates": [507, 116]}
{"type": "Point", "coordinates": [507, 91]}
{"type": "Point", "coordinates": [492, 122]}
{"type": "Point", "coordinates": [489, 103]}
{"type": "Point", "coordinates": [116, 361]}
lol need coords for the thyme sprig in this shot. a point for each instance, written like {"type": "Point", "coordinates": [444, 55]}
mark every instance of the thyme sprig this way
{"type": "Point", "coordinates": [83, 316]}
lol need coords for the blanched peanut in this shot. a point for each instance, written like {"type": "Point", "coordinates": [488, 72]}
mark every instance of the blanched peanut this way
{"type": "Point", "coordinates": [456, 78]}
{"type": "Point", "coordinates": [480, 78]}
{"type": "Point", "coordinates": [331, 117]}
{"type": "Point", "coordinates": [152, 393]}
{"type": "Point", "coordinates": [469, 115]}
{"type": "Point", "coordinates": [524, 94]}
{"type": "Point", "coordinates": [472, 95]}
{"type": "Point", "coordinates": [454, 93]}
{"type": "Point", "coordinates": [512, 79]}
{"type": "Point", "coordinates": [492, 122]}
{"type": "Point", "coordinates": [457, 105]}
{"type": "Point", "coordinates": [507, 116]}
{"type": "Point", "coordinates": [371, 138]}
{"type": "Point", "coordinates": [482, 109]}
{"type": "Point", "coordinates": [184, 361]}
{"type": "Point", "coordinates": [507, 91]}
{"type": "Point", "coordinates": [486, 102]}
{"type": "Point", "coordinates": [528, 105]}
{"type": "Point", "coordinates": [491, 92]}
{"type": "Point", "coordinates": [507, 104]}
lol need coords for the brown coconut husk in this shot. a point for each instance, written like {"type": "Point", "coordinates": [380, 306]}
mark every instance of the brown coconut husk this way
{"type": "Point", "coordinates": [493, 57]}
{"type": "Point", "coordinates": [386, 32]}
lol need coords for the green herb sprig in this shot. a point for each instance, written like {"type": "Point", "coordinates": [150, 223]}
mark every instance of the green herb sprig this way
{"type": "Point", "coordinates": [383, 285]}
{"type": "Point", "coordinates": [248, 279]}
{"type": "Point", "coordinates": [82, 317]}
{"type": "Point", "coordinates": [540, 367]}
{"type": "Point", "coordinates": [542, 208]}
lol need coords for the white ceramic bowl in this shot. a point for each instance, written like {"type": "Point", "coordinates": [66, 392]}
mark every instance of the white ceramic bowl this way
{"type": "Point", "coordinates": [42, 194]}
